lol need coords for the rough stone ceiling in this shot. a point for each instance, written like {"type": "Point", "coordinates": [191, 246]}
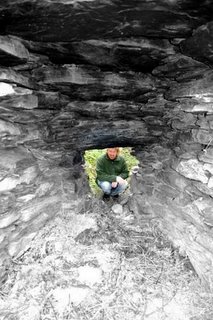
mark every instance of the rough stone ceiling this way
{"type": "Point", "coordinates": [131, 66]}
{"type": "Point", "coordinates": [154, 30]}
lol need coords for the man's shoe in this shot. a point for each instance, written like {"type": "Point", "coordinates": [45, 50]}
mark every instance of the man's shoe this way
{"type": "Point", "coordinates": [106, 197]}
{"type": "Point", "coordinates": [116, 196]}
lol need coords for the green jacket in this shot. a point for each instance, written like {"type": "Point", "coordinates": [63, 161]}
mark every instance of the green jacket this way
{"type": "Point", "coordinates": [108, 170]}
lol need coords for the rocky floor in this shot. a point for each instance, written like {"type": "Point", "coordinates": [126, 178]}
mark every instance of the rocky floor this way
{"type": "Point", "coordinates": [101, 264]}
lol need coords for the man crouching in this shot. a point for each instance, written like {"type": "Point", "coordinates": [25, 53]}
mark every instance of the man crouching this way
{"type": "Point", "coordinates": [112, 173]}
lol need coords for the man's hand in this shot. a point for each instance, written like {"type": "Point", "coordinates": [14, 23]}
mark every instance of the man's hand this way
{"type": "Point", "coordinates": [114, 184]}
{"type": "Point", "coordinates": [120, 180]}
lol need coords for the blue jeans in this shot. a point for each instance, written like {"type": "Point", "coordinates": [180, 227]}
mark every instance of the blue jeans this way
{"type": "Point", "coordinates": [107, 187]}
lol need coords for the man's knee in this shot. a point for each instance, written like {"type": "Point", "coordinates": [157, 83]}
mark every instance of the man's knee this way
{"type": "Point", "coordinates": [123, 186]}
{"type": "Point", "coordinates": [105, 186]}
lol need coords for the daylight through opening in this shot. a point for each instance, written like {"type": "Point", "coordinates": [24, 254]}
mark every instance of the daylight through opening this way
{"type": "Point", "coordinates": [91, 157]}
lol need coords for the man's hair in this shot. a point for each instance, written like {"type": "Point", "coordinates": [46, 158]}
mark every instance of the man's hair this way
{"type": "Point", "coordinates": [117, 149]}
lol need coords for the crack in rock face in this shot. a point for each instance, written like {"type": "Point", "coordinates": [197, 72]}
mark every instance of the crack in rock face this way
{"type": "Point", "coordinates": [78, 75]}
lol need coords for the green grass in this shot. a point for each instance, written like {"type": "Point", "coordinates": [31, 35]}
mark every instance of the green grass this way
{"type": "Point", "coordinates": [91, 157]}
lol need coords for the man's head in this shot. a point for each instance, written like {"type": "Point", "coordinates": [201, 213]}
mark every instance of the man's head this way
{"type": "Point", "coordinates": [112, 153]}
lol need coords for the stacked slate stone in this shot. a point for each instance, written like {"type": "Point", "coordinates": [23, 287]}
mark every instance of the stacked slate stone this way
{"type": "Point", "coordinates": [92, 74]}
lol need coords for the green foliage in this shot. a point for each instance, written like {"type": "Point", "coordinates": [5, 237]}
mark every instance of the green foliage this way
{"type": "Point", "coordinates": [91, 157]}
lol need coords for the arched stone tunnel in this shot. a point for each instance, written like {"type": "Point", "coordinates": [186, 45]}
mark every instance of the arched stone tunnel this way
{"type": "Point", "coordinates": [78, 75]}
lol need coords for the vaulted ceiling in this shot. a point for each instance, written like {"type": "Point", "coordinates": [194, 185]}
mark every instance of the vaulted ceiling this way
{"type": "Point", "coordinates": [135, 34]}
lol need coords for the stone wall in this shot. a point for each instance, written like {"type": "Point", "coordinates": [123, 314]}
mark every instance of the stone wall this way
{"type": "Point", "coordinates": [174, 186]}
{"type": "Point", "coordinates": [35, 180]}
{"type": "Point", "coordinates": [33, 189]}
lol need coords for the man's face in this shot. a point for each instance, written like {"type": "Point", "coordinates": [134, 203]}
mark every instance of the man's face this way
{"type": "Point", "coordinates": [112, 153]}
